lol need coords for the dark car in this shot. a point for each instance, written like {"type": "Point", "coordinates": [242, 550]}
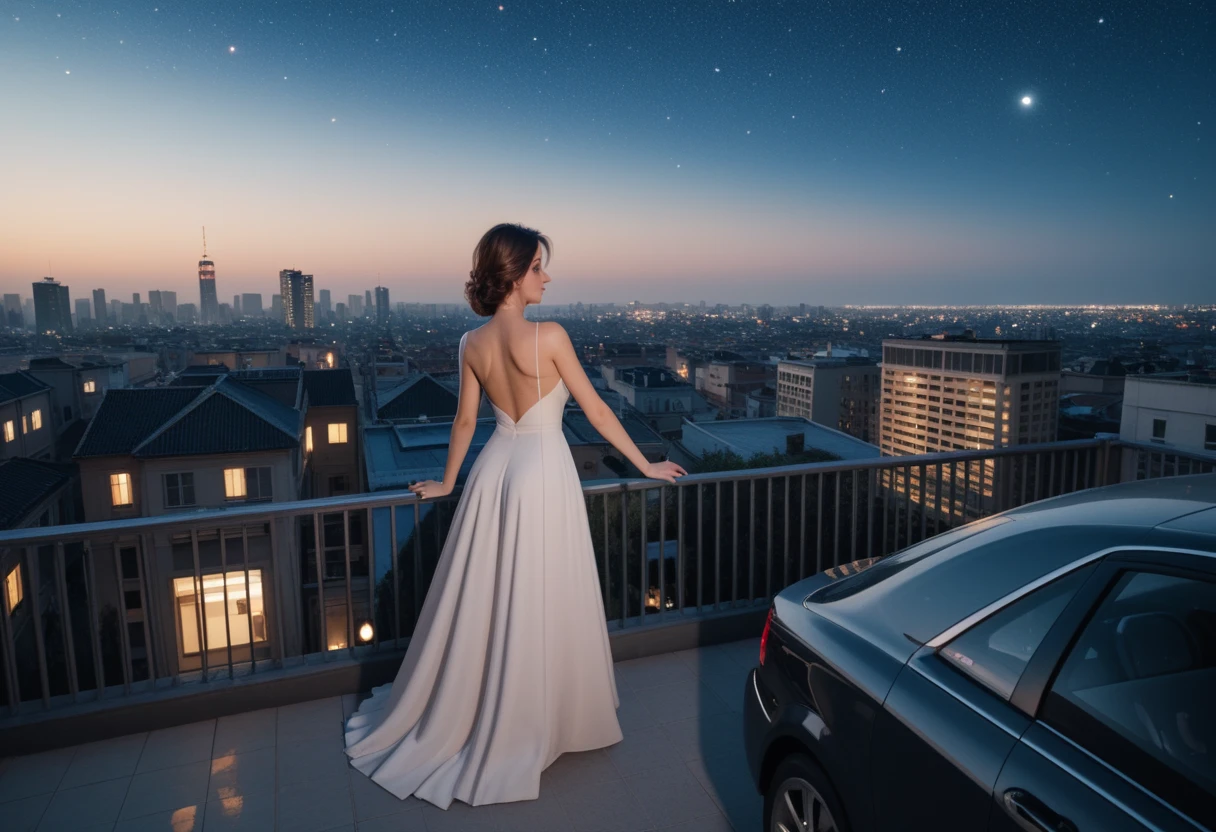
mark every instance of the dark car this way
{"type": "Point", "coordinates": [1049, 668]}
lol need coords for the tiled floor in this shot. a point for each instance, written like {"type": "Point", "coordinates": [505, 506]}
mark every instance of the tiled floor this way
{"type": "Point", "coordinates": [680, 767]}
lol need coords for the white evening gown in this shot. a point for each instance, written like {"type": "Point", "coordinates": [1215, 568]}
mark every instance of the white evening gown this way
{"type": "Point", "coordinates": [509, 666]}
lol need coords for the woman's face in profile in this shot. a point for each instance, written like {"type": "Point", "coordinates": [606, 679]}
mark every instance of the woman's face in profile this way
{"type": "Point", "coordinates": [531, 286]}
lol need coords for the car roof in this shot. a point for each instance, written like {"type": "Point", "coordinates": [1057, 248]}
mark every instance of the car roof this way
{"type": "Point", "coordinates": [926, 592]}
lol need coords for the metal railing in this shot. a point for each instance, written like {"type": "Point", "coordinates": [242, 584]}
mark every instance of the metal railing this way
{"type": "Point", "coordinates": [100, 611]}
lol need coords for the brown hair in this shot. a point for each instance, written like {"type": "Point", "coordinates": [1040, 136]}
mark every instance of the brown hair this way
{"type": "Point", "coordinates": [501, 258]}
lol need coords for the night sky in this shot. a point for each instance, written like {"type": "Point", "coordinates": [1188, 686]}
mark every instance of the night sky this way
{"type": "Point", "coordinates": [826, 152]}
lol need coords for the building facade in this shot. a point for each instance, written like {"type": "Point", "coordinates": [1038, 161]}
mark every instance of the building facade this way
{"type": "Point", "coordinates": [296, 291]}
{"type": "Point", "coordinates": [26, 417]}
{"type": "Point", "coordinates": [52, 307]}
{"type": "Point", "coordinates": [833, 392]}
{"type": "Point", "coordinates": [1176, 411]}
{"type": "Point", "coordinates": [208, 300]}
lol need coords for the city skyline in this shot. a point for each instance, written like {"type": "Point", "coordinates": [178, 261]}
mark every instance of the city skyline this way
{"type": "Point", "coordinates": [907, 156]}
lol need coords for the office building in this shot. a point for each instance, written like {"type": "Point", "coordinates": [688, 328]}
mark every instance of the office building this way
{"type": "Point", "coordinates": [82, 311]}
{"type": "Point", "coordinates": [382, 307]}
{"type": "Point", "coordinates": [236, 306]}
{"type": "Point", "coordinates": [251, 305]}
{"type": "Point", "coordinates": [276, 307]}
{"type": "Point", "coordinates": [324, 306]}
{"type": "Point", "coordinates": [839, 393]}
{"type": "Point", "coordinates": [354, 306]}
{"type": "Point", "coordinates": [155, 306]}
{"type": "Point", "coordinates": [12, 312]}
{"type": "Point", "coordinates": [168, 305]}
{"type": "Point", "coordinates": [296, 291]}
{"type": "Point", "coordinates": [100, 310]}
{"type": "Point", "coordinates": [208, 301]}
{"type": "Point", "coordinates": [52, 307]}
{"type": "Point", "coordinates": [954, 393]}
{"type": "Point", "coordinates": [367, 302]}
{"type": "Point", "coordinates": [1175, 410]}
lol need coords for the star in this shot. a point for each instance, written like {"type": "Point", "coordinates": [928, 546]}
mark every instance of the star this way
{"type": "Point", "coordinates": [899, 49]}
{"type": "Point", "coordinates": [1027, 100]}
{"type": "Point", "coordinates": [716, 69]}
{"type": "Point", "coordinates": [231, 49]}
{"type": "Point", "coordinates": [1101, 20]}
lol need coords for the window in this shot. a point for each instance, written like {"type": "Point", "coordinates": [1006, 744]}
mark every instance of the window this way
{"type": "Point", "coordinates": [1209, 438]}
{"type": "Point", "coordinates": [244, 610]}
{"type": "Point", "coordinates": [90, 386]}
{"type": "Point", "coordinates": [10, 431]}
{"type": "Point", "coordinates": [338, 485]}
{"type": "Point", "coordinates": [247, 484]}
{"type": "Point", "coordinates": [1158, 430]}
{"type": "Point", "coordinates": [120, 489]}
{"type": "Point", "coordinates": [1138, 686]}
{"type": "Point", "coordinates": [36, 420]}
{"type": "Point", "coordinates": [14, 589]}
{"type": "Point", "coordinates": [337, 433]}
{"type": "Point", "coordinates": [308, 440]}
{"type": "Point", "coordinates": [179, 490]}
{"type": "Point", "coordinates": [997, 650]}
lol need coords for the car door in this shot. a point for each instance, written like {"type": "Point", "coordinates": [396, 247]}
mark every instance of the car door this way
{"type": "Point", "coordinates": [1123, 691]}
{"type": "Point", "coordinates": [947, 725]}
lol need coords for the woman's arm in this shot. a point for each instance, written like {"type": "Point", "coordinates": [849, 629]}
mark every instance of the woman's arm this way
{"type": "Point", "coordinates": [463, 426]}
{"type": "Point", "coordinates": [599, 414]}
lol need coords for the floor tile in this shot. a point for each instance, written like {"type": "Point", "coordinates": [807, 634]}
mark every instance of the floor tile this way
{"type": "Point", "coordinates": [185, 819]}
{"type": "Point", "coordinates": [173, 747]}
{"type": "Point", "coordinates": [545, 814]}
{"type": "Point", "coordinates": [639, 674]}
{"type": "Point", "coordinates": [589, 767]}
{"type": "Point", "coordinates": [105, 760]}
{"type": "Point", "coordinates": [242, 774]}
{"type": "Point", "coordinates": [167, 789]}
{"type": "Point", "coordinates": [246, 813]}
{"type": "Point", "coordinates": [373, 801]}
{"type": "Point", "coordinates": [311, 760]}
{"type": "Point", "coordinates": [34, 774]}
{"type": "Point", "coordinates": [708, 736]}
{"type": "Point", "coordinates": [642, 751]}
{"type": "Point", "coordinates": [73, 809]}
{"type": "Point", "coordinates": [411, 821]}
{"type": "Point", "coordinates": [633, 714]}
{"type": "Point", "coordinates": [605, 807]}
{"type": "Point", "coordinates": [671, 795]}
{"type": "Point", "coordinates": [315, 805]}
{"type": "Point", "coordinates": [683, 700]}
{"type": "Point", "coordinates": [728, 781]}
{"type": "Point", "coordinates": [459, 817]}
{"type": "Point", "coordinates": [245, 732]}
{"type": "Point", "coordinates": [316, 720]}
{"type": "Point", "coordinates": [23, 815]}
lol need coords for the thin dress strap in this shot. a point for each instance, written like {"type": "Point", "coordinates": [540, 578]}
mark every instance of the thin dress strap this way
{"type": "Point", "coordinates": [538, 395]}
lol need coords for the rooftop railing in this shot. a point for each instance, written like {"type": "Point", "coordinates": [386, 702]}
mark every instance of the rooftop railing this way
{"type": "Point", "coordinates": [100, 612]}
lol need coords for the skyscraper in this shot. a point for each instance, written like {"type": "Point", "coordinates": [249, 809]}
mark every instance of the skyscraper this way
{"type": "Point", "coordinates": [382, 307]}
{"type": "Point", "coordinates": [82, 311]}
{"type": "Point", "coordinates": [324, 307]}
{"type": "Point", "coordinates": [367, 302]}
{"type": "Point", "coordinates": [354, 306]}
{"type": "Point", "coordinates": [251, 305]}
{"type": "Point", "coordinates": [168, 305]}
{"type": "Point", "coordinates": [52, 307]}
{"type": "Point", "coordinates": [236, 306]}
{"type": "Point", "coordinates": [208, 302]}
{"type": "Point", "coordinates": [276, 307]}
{"type": "Point", "coordinates": [12, 312]}
{"type": "Point", "coordinates": [296, 290]}
{"type": "Point", "coordinates": [100, 310]}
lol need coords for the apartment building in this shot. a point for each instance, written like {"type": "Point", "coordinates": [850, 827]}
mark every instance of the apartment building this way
{"type": "Point", "coordinates": [949, 393]}
{"type": "Point", "coordinates": [1175, 410]}
{"type": "Point", "coordinates": [839, 393]}
{"type": "Point", "coordinates": [26, 417]}
{"type": "Point", "coordinates": [331, 433]}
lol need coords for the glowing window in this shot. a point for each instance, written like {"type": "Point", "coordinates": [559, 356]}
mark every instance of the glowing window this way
{"type": "Point", "coordinates": [337, 433]}
{"type": "Point", "coordinates": [10, 431]}
{"type": "Point", "coordinates": [120, 489]}
{"type": "Point", "coordinates": [234, 483]}
{"type": "Point", "coordinates": [14, 589]}
{"type": "Point", "coordinates": [308, 440]}
{"type": "Point", "coordinates": [243, 607]}
{"type": "Point", "coordinates": [90, 386]}
{"type": "Point", "coordinates": [36, 420]}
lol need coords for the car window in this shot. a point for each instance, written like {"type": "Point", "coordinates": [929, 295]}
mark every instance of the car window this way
{"type": "Point", "coordinates": [1145, 667]}
{"type": "Point", "coordinates": [996, 651]}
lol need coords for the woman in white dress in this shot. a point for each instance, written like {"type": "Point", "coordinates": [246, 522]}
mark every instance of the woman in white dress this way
{"type": "Point", "coordinates": [509, 666]}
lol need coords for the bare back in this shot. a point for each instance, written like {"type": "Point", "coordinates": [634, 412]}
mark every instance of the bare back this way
{"type": "Point", "coordinates": [506, 356]}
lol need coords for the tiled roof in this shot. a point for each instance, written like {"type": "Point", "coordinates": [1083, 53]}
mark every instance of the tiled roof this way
{"type": "Point", "coordinates": [19, 385]}
{"type": "Point", "coordinates": [330, 388]}
{"type": "Point", "coordinates": [24, 483]}
{"type": "Point", "coordinates": [416, 397]}
{"type": "Point", "coordinates": [127, 417]}
{"type": "Point", "coordinates": [225, 417]}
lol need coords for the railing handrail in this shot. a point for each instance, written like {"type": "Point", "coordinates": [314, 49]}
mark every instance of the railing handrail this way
{"type": "Point", "coordinates": [258, 512]}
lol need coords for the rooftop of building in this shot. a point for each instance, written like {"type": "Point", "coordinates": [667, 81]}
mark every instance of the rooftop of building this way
{"type": "Point", "coordinates": [330, 388]}
{"type": "Point", "coordinates": [24, 483]}
{"type": "Point", "coordinates": [962, 340]}
{"type": "Point", "coordinates": [18, 385]}
{"type": "Point", "coordinates": [643, 376]}
{"type": "Point", "coordinates": [748, 437]}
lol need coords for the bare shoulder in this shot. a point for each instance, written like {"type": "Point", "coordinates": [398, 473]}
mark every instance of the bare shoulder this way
{"type": "Point", "coordinates": [553, 334]}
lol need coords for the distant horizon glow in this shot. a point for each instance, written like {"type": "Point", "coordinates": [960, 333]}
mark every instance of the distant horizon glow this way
{"type": "Point", "coordinates": [767, 171]}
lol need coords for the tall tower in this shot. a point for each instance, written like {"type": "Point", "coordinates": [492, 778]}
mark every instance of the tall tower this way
{"type": "Point", "coordinates": [100, 310]}
{"type": "Point", "coordinates": [52, 307]}
{"type": "Point", "coordinates": [296, 291]}
{"type": "Point", "coordinates": [208, 303]}
{"type": "Point", "coordinates": [381, 304]}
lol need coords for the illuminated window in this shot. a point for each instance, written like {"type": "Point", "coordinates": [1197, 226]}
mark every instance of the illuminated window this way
{"type": "Point", "coordinates": [120, 489]}
{"type": "Point", "coordinates": [308, 440]}
{"type": "Point", "coordinates": [337, 433]}
{"type": "Point", "coordinates": [244, 610]}
{"type": "Point", "coordinates": [247, 484]}
{"type": "Point", "coordinates": [10, 431]}
{"type": "Point", "coordinates": [14, 589]}
{"type": "Point", "coordinates": [36, 420]}
{"type": "Point", "coordinates": [90, 386]}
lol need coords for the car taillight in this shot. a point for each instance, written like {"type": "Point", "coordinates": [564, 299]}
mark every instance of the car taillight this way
{"type": "Point", "coordinates": [768, 625]}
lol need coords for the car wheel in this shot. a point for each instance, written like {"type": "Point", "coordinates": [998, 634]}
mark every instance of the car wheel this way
{"type": "Point", "coordinates": [800, 799]}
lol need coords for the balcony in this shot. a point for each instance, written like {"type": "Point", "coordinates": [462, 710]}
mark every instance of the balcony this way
{"type": "Point", "coordinates": [205, 660]}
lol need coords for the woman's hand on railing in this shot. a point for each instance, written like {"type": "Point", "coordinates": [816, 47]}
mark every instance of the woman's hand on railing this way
{"type": "Point", "coordinates": [665, 470]}
{"type": "Point", "coordinates": [428, 489]}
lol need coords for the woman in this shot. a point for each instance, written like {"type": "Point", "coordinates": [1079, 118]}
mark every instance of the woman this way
{"type": "Point", "coordinates": [509, 666]}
